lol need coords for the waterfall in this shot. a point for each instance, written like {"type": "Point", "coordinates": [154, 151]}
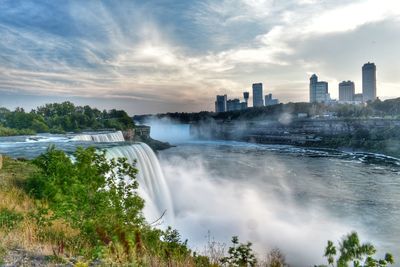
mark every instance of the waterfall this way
{"type": "Point", "coordinates": [152, 184]}
{"type": "Point", "coordinates": [105, 137]}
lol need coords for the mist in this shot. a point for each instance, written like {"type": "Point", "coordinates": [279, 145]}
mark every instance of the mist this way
{"type": "Point", "coordinates": [168, 130]}
{"type": "Point", "coordinates": [267, 216]}
{"type": "Point", "coordinates": [290, 201]}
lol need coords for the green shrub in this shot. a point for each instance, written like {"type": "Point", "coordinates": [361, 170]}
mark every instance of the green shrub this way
{"type": "Point", "coordinates": [9, 219]}
{"type": "Point", "coordinates": [358, 254]}
{"type": "Point", "coordinates": [2, 254]}
{"type": "Point", "coordinates": [91, 193]}
{"type": "Point", "coordinates": [239, 254]}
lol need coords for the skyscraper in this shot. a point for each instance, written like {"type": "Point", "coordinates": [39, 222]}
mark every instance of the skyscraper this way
{"type": "Point", "coordinates": [318, 90]}
{"type": "Point", "coordinates": [313, 85]}
{"type": "Point", "coordinates": [346, 91]}
{"type": "Point", "coordinates": [233, 104]}
{"type": "Point", "coordinates": [369, 81]}
{"type": "Point", "coordinates": [269, 101]}
{"type": "Point", "coordinates": [258, 95]}
{"type": "Point", "coordinates": [220, 103]}
{"type": "Point", "coordinates": [246, 97]}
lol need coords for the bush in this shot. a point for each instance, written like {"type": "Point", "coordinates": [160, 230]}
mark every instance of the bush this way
{"type": "Point", "coordinates": [95, 195]}
{"type": "Point", "coordinates": [9, 219]}
{"type": "Point", "coordinates": [275, 258]}
{"type": "Point", "coordinates": [240, 255]}
{"type": "Point", "coordinates": [356, 253]}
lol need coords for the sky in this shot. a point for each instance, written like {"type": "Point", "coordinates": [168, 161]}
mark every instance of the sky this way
{"type": "Point", "coordinates": [176, 55]}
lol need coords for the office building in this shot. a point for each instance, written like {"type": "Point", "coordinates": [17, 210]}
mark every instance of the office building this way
{"type": "Point", "coordinates": [346, 91]}
{"type": "Point", "coordinates": [258, 95]}
{"type": "Point", "coordinates": [221, 103]}
{"type": "Point", "coordinates": [246, 97]}
{"type": "Point", "coordinates": [269, 101]}
{"type": "Point", "coordinates": [369, 82]}
{"type": "Point", "coordinates": [233, 104]}
{"type": "Point", "coordinates": [358, 98]}
{"type": "Point", "coordinates": [318, 90]}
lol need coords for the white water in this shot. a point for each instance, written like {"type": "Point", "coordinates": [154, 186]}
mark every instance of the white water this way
{"type": "Point", "coordinates": [152, 185]}
{"type": "Point", "coordinates": [46, 139]}
{"type": "Point", "coordinates": [106, 137]}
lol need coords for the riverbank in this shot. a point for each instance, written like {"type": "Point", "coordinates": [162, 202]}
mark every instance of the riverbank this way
{"type": "Point", "coordinates": [371, 135]}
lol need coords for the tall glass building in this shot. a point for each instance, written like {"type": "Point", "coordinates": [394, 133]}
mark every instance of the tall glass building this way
{"type": "Point", "coordinates": [369, 81]}
{"type": "Point", "coordinates": [258, 100]}
{"type": "Point", "coordinates": [346, 91]}
{"type": "Point", "coordinates": [221, 103]}
{"type": "Point", "coordinates": [318, 90]}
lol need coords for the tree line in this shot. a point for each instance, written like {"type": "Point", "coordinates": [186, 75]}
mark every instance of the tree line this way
{"type": "Point", "coordinates": [61, 118]}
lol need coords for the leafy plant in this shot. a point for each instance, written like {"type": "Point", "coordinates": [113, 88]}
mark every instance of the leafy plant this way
{"type": "Point", "coordinates": [275, 258]}
{"type": "Point", "coordinates": [240, 255]}
{"type": "Point", "coordinates": [93, 194]}
{"type": "Point", "coordinates": [356, 253]}
{"type": "Point", "coordinates": [174, 247]}
{"type": "Point", "coordinates": [9, 219]}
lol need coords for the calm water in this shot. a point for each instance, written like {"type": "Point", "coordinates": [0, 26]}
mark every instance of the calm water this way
{"type": "Point", "coordinates": [275, 196]}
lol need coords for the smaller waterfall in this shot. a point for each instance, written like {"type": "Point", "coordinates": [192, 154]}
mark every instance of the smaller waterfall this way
{"type": "Point", "coordinates": [105, 137]}
{"type": "Point", "coordinates": [153, 187]}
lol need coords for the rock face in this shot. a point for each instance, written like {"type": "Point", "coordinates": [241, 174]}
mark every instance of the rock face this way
{"type": "Point", "coordinates": [288, 130]}
{"type": "Point", "coordinates": [129, 134]}
{"type": "Point", "coordinates": [136, 134]}
{"type": "Point", "coordinates": [141, 133]}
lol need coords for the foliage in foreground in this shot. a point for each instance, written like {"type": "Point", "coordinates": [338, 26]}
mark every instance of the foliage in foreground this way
{"type": "Point", "coordinates": [98, 197]}
{"type": "Point", "coordinates": [353, 252]}
{"type": "Point", "coordinates": [240, 254]}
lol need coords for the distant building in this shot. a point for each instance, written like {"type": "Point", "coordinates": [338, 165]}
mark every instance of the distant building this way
{"type": "Point", "coordinates": [269, 101]}
{"type": "Point", "coordinates": [258, 95]}
{"type": "Point", "coordinates": [369, 81]}
{"type": "Point", "coordinates": [318, 91]}
{"type": "Point", "coordinates": [233, 104]}
{"type": "Point", "coordinates": [221, 103]}
{"type": "Point", "coordinates": [358, 98]}
{"type": "Point", "coordinates": [346, 91]}
{"type": "Point", "coordinates": [246, 97]}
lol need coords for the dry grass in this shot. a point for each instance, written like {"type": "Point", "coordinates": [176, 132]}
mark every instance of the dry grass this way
{"type": "Point", "coordinates": [58, 238]}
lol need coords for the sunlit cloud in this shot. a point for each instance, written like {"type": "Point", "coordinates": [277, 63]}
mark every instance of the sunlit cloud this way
{"type": "Point", "coordinates": [186, 52]}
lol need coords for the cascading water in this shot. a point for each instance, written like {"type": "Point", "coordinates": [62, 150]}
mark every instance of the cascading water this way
{"type": "Point", "coordinates": [152, 184]}
{"type": "Point", "coordinates": [106, 137]}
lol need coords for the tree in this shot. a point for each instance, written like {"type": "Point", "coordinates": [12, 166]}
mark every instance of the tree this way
{"type": "Point", "coordinates": [93, 194]}
{"type": "Point", "coordinates": [356, 253]}
{"type": "Point", "coordinates": [240, 255]}
{"type": "Point", "coordinates": [275, 258]}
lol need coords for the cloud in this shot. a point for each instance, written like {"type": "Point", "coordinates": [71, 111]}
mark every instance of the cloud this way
{"type": "Point", "coordinates": [187, 51]}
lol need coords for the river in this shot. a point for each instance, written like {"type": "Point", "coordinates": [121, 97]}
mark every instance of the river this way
{"type": "Point", "coordinates": [274, 196]}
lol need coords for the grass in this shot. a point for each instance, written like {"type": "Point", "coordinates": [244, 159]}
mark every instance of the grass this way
{"type": "Point", "coordinates": [22, 227]}
{"type": "Point", "coordinates": [18, 227]}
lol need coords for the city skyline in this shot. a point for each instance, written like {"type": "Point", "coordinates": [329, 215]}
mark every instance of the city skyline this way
{"type": "Point", "coordinates": [169, 55]}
